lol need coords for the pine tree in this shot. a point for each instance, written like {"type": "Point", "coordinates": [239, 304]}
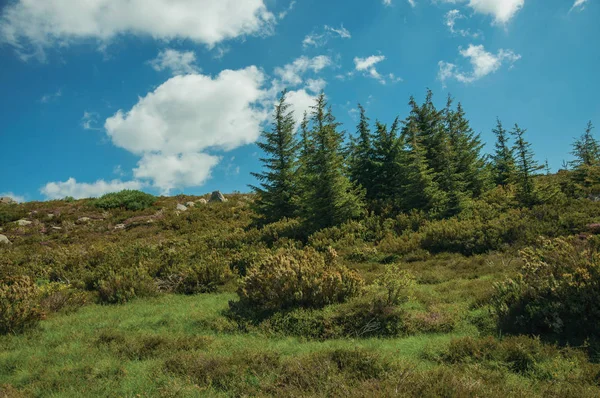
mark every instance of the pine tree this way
{"type": "Point", "coordinates": [360, 155]}
{"type": "Point", "coordinates": [329, 197]}
{"type": "Point", "coordinates": [278, 191]}
{"type": "Point", "coordinates": [388, 162]}
{"type": "Point", "coordinates": [526, 168]}
{"type": "Point", "coordinates": [586, 166]}
{"type": "Point", "coordinates": [421, 191]}
{"type": "Point", "coordinates": [503, 161]}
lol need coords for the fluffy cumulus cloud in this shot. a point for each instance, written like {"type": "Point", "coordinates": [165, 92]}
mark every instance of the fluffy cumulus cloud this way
{"type": "Point", "coordinates": [178, 62]}
{"type": "Point", "coordinates": [191, 113]}
{"type": "Point", "coordinates": [292, 74]}
{"type": "Point", "coordinates": [176, 171]}
{"type": "Point", "coordinates": [482, 62]}
{"type": "Point", "coordinates": [501, 10]}
{"type": "Point", "coordinates": [45, 23]}
{"type": "Point", "coordinates": [59, 190]}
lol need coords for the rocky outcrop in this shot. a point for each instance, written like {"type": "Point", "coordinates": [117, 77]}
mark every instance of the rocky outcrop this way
{"type": "Point", "coordinates": [202, 201]}
{"type": "Point", "coordinates": [181, 207]}
{"type": "Point", "coordinates": [7, 201]}
{"type": "Point", "coordinates": [218, 197]}
{"type": "Point", "coordinates": [190, 204]}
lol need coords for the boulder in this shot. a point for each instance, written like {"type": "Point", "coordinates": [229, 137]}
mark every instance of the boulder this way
{"type": "Point", "coordinates": [23, 223]}
{"type": "Point", "coordinates": [120, 226]}
{"type": "Point", "coordinates": [7, 201]}
{"type": "Point", "coordinates": [217, 196]}
{"type": "Point", "coordinates": [84, 219]}
{"type": "Point", "coordinates": [190, 204]}
{"type": "Point", "coordinates": [202, 201]}
{"type": "Point", "coordinates": [4, 240]}
{"type": "Point", "coordinates": [181, 207]}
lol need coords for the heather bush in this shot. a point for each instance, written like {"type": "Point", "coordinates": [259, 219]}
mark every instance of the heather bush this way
{"type": "Point", "coordinates": [127, 199]}
{"type": "Point", "coordinates": [555, 294]}
{"type": "Point", "coordinates": [122, 285]}
{"type": "Point", "coordinates": [56, 296]}
{"type": "Point", "coordinates": [298, 278]}
{"type": "Point", "coordinates": [19, 307]}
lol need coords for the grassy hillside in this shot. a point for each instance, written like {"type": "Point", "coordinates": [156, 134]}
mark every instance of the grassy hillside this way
{"type": "Point", "coordinates": [100, 300]}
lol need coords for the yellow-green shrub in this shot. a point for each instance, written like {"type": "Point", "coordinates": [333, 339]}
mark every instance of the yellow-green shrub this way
{"type": "Point", "coordinates": [122, 285]}
{"type": "Point", "coordinates": [19, 308]}
{"type": "Point", "coordinates": [298, 278]}
{"type": "Point", "coordinates": [556, 293]}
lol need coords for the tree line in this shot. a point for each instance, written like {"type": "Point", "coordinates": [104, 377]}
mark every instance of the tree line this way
{"type": "Point", "coordinates": [432, 161]}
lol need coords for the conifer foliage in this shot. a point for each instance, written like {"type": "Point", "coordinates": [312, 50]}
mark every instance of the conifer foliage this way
{"type": "Point", "coordinates": [277, 195]}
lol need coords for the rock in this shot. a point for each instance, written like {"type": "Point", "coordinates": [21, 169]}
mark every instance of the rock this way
{"type": "Point", "coordinates": [594, 228]}
{"type": "Point", "coordinates": [50, 216]}
{"type": "Point", "coordinates": [190, 204]}
{"type": "Point", "coordinates": [7, 201]}
{"type": "Point", "coordinates": [202, 201]}
{"type": "Point", "coordinates": [4, 240]}
{"type": "Point", "coordinates": [217, 196]}
{"type": "Point", "coordinates": [23, 223]}
{"type": "Point", "coordinates": [57, 228]}
{"type": "Point", "coordinates": [83, 219]}
{"type": "Point", "coordinates": [120, 226]}
{"type": "Point", "coordinates": [181, 207]}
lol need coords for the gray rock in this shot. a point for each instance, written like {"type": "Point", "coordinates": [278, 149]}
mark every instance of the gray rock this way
{"type": "Point", "coordinates": [181, 207]}
{"type": "Point", "coordinates": [84, 219]}
{"type": "Point", "coordinates": [202, 201]}
{"type": "Point", "coordinates": [50, 216]}
{"type": "Point", "coordinates": [190, 204]}
{"type": "Point", "coordinates": [120, 226]}
{"type": "Point", "coordinates": [217, 196]}
{"type": "Point", "coordinates": [4, 240]}
{"type": "Point", "coordinates": [57, 228]}
{"type": "Point", "coordinates": [7, 201]}
{"type": "Point", "coordinates": [23, 223]}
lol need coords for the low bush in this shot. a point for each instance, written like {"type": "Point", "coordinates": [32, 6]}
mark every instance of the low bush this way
{"type": "Point", "coordinates": [56, 296]}
{"type": "Point", "coordinates": [19, 308]}
{"type": "Point", "coordinates": [298, 278]}
{"type": "Point", "coordinates": [556, 293]}
{"type": "Point", "coordinates": [127, 199]}
{"type": "Point", "coordinates": [122, 285]}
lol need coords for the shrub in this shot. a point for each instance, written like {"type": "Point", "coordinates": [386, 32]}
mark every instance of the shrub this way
{"type": "Point", "coordinates": [396, 283]}
{"type": "Point", "coordinates": [125, 284]}
{"type": "Point", "coordinates": [127, 199]}
{"type": "Point", "coordinates": [556, 293]}
{"type": "Point", "coordinates": [298, 278]}
{"type": "Point", "coordinates": [19, 309]}
{"type": "Point", "coordinates": [55, 297]}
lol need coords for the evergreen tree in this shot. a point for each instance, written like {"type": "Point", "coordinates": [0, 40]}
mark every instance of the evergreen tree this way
{"type": "Point", "coordinates": [586, 166]}
{"type": "Point", "coordinates": [421, 191]}
{"type": "Point", "coordinates": [278, 190]}
{"type": "Point", "coordinates": [503, 161]}
{"type": "Point", "coordinates": [360, 155]}
{"type": "Point", "coordinates": [329, 197]}
{"type": "Point", "coordinates": [388, 162]}
{"type": "Point", "coordinates": [526, 168]}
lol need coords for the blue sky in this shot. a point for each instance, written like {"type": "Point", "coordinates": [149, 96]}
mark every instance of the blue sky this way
{"type": "Point", "coordinates": [169, 96]}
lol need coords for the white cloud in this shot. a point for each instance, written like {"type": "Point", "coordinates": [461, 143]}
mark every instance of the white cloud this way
{"type": "Point", "coordinates": [192, 113]}
{"type": "Point", "coordinates": [176, 171]}
{"type": "Point", "coordinates": [292, 73]}
{"type": "Point", "coordinates": [501, 10]}
{"type": "Point", "coordinates": [579, 4]}
{"type": "Point", "coordinates": [320, 39]}
{"type": "Point", "coordinates": [51, 97]}
{"type": "Point", "coordinates": [300, 102]}
{"type": "Point", "coordinates": [284, 13]}
{"type": "Point", "coordinates": [367, 66]}
{"type": "Point", "coordinates": [315, 85]}
{"type": "Point", "coordinates": [483, 63]}
{"type": "Point", "coordinates": [450, 20]}
{"type": "Point", "coordinates": [89, 121]}
{"type": "Point", "coordinates": [179, 62]}
{"type": "Point", "coordinates": [16, 198]}
{"type": "Point", "coordinates": [59, 190]}
{"type": "Point", "coordinates": [46, 23]}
